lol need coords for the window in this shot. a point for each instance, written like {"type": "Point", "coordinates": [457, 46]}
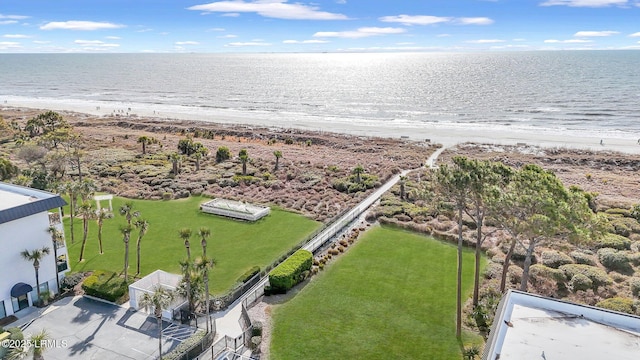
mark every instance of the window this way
{"type": "Point", "coordinates": [20, 302]}
{"type": "Point", "coordinates": [34, 294]}
{"type": "Point", "coordinates": [3, 312]}
{"type": "Point", "coordinates": [62, 263]}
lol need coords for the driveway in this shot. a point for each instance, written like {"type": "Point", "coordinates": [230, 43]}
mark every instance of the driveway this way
{"type": "Point", "coordinates": [83, 328]}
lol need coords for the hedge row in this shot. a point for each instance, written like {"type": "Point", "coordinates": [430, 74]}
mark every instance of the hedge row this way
{"type": "Point", "coordinates": [290, 272]}
{"type": "Point", "coordinates": [105, 285]}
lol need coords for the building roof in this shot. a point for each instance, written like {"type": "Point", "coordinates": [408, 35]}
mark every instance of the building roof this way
{"type": "Point", "coordinates": [528, 326]}
{"type": "Point", "coordinates": [17, 202]}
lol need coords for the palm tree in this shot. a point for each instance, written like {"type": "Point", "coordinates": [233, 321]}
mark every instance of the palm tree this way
{"type": "Point", "coordinates": [358, 171]}
{"type": "Point", "coordinates": [127, 211]}
{"type": "Point", "coordinates": [243, 155]}
{"type": "Point", "coordinates": [143, 226]}
{"type": "Point", "coordinates": [35, 256]}
{"type": "Point", "coordinates": [87, 212]}
{"type": "Point", "coordinates": [204, 233]}
{"type": "Point", "coordinates": [144, 140]}
{"type": "Point", "coordinates": [175, 160]}
{"type": "Point", "coordinates": [159, 300]}
{"type": "Point", "coordinates": [278, 155]}
{"type": "Point", "coordinates": [192, 284]}
{"type": "Point", "coordinates": [126, 235]}
{"type": "Point", "coordinates": [199, 154]}
{"type": "Point", "coordinates": [57, 237]}
{"type": "Point", "coordinates": [403, 182]}
{"type": "Point", "coordinates": [37, 343]}
{"type": "Point", "coordinates": [101, 216]}
{"type": "Point", "coordinates": [185, 234]}
{"type": "Point", "coordinates": [86, 189]}
{"type": "Point", "coordinates": [71, 188]}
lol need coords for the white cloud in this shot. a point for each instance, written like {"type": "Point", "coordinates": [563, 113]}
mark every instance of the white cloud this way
{"type": "Point", "coordinates": [305, 42]}
{"type": "Point", "coordinates": [13, 17]}
{"type": "Point", "coordinates": [15, 36]}
{"type": "Point", "coordinates": [361, 32]}
{"type": "Point", "coordinates": [485, 41]}
{"type": "Point", "coordinates": [79, 25]}
{"type": "Point", "coordinates": [8, 22]}
{"type": "Point", "coordinates": [635, 34]}
{"type": "Point", "coordinates": [595, 33]}
{"type": "Point", "coordinates": [240, 44]}
{"type": "Point", "coordinates": [40, 42]}
{"type": "Point", "coordinates": [231, 14]}
{"type": "Point", "coordinates": [113, 37]}
{"type": "Point", "coordinates": [432, 20]}
{"type": "Point", "coordinates": [584, 3]}
{"type": "Point", "coordinates": [474, 21]}
{"type": "Point", "coordinates": [519, 39]}
{"type": "Point", "coordinates": [187, 43]}
{"type": "Point", "coordinates": [415, 19]}
{"type": "Point", "coordinates": [570, 41]}
{"type": "Point", "coordinates": [228, 36]}
{"type": "Point", "coordinates": [96, 43]}
{"type": "Point", "coordinates": [216, 29]}
{"type": "Point", "coordinates": [277, 9]}
{"type": "Point", "coordinates": [7, 45]}
{"type": "Point", "coordinates": [443, 35]}
{"type": "Point", "coordinates": [405, 43]}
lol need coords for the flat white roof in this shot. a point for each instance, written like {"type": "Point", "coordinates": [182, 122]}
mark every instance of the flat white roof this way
{"type": "Point", "coordinates": [533, 327]}
{"type": "Point", "coordinates": [10, 199]}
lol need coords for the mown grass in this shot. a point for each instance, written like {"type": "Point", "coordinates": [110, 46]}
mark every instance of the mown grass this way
{"type": "Point", "coordinates": [392, 296]}
{"type": "Point", "coordinates": [236, 246]}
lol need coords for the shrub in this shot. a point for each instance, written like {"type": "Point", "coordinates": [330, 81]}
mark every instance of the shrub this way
{"type": "Point", "coordinates": [634, 284]}
{"type": "Point", "coordinates": [624, 226]}
{"type": "Point", "coordinates": [289, 272]}
{"type": "Point", "coordinates": [257, 328]}
{"type": "Point", "coordinates": [538, 271]}
{"type": "Point", "coordinates": [249, 274]}
{"type": "Point", "coordinates": [614, 260]}
{"type": "Point", "coordinates": [580, 282]}
{"type": "Point", "coordinates": [555, 259]}
{"type": "Point", "coordinates": [188, 345]}
{"type": "Point", "coordinates": [619, 304]}
{"type": "Point", "coordinates": [71, 280]}
{"type": "Point", "coordinates": [618, 211]}
{"type": "Point", "coordinates": [581, 257]}
{"type": "Point", "coordinates": [223, 154]}
{"type": "Point", "coordinates": [597, 275]}
{"type": "Point", "coordinates": [106, 285]}
{"type": "Point", "coordinates": [613, 241]}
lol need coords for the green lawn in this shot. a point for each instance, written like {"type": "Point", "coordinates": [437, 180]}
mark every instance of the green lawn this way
{"type": "Point", "coordinates": [236, 246]}
{"type": "Point", "coordinates": [392, 296]}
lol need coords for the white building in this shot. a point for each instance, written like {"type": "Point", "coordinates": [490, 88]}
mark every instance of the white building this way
{"type": "Point", "coordinates": [25, 217]}
{"type": "Point", "coordinates": [528, 326]}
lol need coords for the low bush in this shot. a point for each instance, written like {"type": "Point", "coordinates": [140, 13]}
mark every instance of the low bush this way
{"type": "Point", "coordinates": [581, 257]}
{"type": "Point", "coordinates": [613, 241]}
{"type": "Point", "coordinates": [555, 259]}
{"type": "Point", "coordinates": [614, 260]}
{"type": "Point", "coordinates": [634, 284]}
{"type": "Point", "coordinates": [538, 271]}
{"type": "Point", "coordinates": [624, 226]}
{"type": "Point", "coordinates": [289, 272]}
{"type": "Point", "coordinates": [619, 304]}
{"type": "Point", "coordinates": [105, 285]}
{"type": "Point", "coordinates": [597, 275]}
{"type": "Point", "coordinates": [580, 282]}
{"type": "Point", "coordinates": [71, 280]}
{"type": "Point", "coordinates": [249, 274]}
{"type": "Point", "coordinates": [186, 347]}
{"type": "Point", "coordinates": [257, 328]}
{"type": "Point", "coordinates": [618, 211]}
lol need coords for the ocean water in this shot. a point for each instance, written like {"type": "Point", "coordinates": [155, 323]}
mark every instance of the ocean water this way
{"type": "Point", "coordinates": [581, 91]}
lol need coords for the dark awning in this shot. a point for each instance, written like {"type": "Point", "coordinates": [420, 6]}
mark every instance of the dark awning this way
{"type": "Point", "coordinates": [20, 289]}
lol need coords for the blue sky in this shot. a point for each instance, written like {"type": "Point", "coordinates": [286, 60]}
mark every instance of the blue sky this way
{"type": "Point", "coordinates": [170, 26]}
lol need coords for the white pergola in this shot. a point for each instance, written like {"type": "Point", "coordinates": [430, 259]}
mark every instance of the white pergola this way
{"type": "Point", "coordinates": [147, 285]}
{"type": "Point", "coordinates": [106, 197]}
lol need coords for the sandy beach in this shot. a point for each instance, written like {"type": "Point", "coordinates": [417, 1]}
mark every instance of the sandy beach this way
{"type": "Point", "coordinates": [446, 134]}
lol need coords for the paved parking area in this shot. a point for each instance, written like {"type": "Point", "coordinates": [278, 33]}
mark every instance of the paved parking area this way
{"type": "Point", "coordinates": [88, 329]}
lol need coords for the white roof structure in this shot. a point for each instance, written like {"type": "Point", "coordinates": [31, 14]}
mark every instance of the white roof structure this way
{"type": "Point", "coordinates": [235, 209]}
{"type": "Point", "coordinates": [148, 283]}
{"type": "Point", "coordinates": [528, 326]}
{"type": "Point", "coordinates": [17, 202]}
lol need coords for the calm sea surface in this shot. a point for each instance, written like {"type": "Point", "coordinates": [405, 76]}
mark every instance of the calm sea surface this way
{"type": "Point", "coordinates": [582, 90]}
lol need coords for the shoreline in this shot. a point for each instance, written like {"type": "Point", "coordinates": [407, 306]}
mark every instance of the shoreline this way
{"type": "Point", "coordinates": [446, 134]}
